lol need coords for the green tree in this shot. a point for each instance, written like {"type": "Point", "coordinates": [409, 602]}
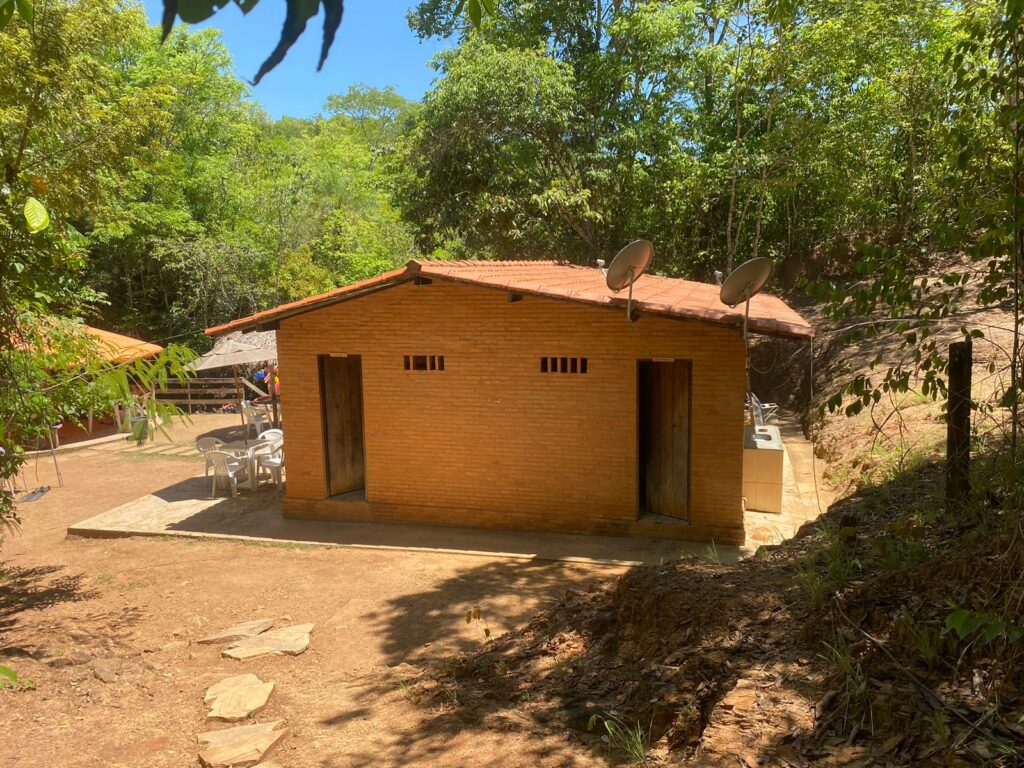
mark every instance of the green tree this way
{"type": "Point", "coordinates": [489, 158]}
{"type": "Point", "coordinates": [71, 125]}
{"type": "Point", "coordinates": [719, 130]}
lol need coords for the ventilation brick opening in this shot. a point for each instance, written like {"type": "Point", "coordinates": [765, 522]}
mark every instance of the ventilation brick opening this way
{"type": "Point", "coordinates": [568, 365]}
{"type": "Point", "coordinates": [423, 362]}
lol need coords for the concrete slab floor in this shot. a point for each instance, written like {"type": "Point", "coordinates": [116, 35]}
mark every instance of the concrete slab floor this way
{"type": "Point", "coordinates": [186, 509]}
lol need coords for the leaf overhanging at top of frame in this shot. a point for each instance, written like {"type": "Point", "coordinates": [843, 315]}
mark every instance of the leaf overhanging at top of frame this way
{"type": "Point", "coordinates": [6, 12]}
{"type": "Point", "coordinates": [299, 12]}
{"type": "Point", "coordinates": [333, 11]}
{"type": "Point", "coordinates": [170, 14]}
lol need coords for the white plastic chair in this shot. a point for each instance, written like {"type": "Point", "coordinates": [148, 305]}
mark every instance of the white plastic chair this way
{"type": "Point", "coordinates": [763, 412]}
{"type": "Point", "coordinates": [254, 419]}
{"type": "Point", "coordinates": [273, 463]}
{"type": "Point", "coordinates": [206, 444]}
{"type": "Point", "coordinates": [271, 445]}
{"type": "Point", "coordinates": [231, 468]}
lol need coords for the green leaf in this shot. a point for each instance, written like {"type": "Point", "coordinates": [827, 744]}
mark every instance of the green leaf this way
{"type": "Point", "coordinates": [6, 12]}
{"type": "Point", "coordinates": [298, 13]}
{"type": "Point", "coordinates": [333, 11]}
{"type": "Point", "coordinates": [473, 11]}
{"type": "Point", "coordinates": [36, 215]}
{"type": "Point", "coordinates": [25, 10]}
{"type": "Point", "coordinates": [993, 630]}
{"type": "Point", "coordinates": [194, 11]}
{"type": "Point", "coordinates": [246, 5]}
{"type": "Point", "coordinates": [9, 677]}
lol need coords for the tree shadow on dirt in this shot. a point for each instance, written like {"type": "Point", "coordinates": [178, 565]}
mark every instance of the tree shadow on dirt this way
{"type": "Point", "coordinates": [662, 647]}
{"type": "Point", "coordinates": [36, 588]}
{"type": "Point", "coordinates": [598, 646]}
{"type": "Point", "coordinates": [428, 628]}
{"type": "Point", "coordinates": [507, 592]}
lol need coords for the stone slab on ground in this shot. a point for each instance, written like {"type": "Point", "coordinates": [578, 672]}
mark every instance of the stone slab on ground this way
{"type": "Point", "coordinates": [238, 632]}
{"type": "Point", "coordinates": [292, 640]}
{"type": "Point", "coordinates": [243, 745]}
{"type": "Point", "coordinates": [235, 698]}
{"type": "Point", "coordinates": [106, 669]}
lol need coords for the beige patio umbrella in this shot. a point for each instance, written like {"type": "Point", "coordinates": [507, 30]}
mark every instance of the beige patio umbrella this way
{"type": "Point", "coordinates": [231, 353]}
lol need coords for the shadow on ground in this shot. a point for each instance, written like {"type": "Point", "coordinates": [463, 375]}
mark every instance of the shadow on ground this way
{"type": "Point", "coordinates": [661, 645]}
{"type": "Point", "coordinates": [228, 434]}
{"type": "Point", "coordinates": [734, 658]}
{"type": "Point", "coordinates": [188, 508]}
{"type": "Point", "coordinates": [27, 590]}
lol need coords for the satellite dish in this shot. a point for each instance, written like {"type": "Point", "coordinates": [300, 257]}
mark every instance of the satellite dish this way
{"type": "Point", "coordinates": [742, 284]}
{"type": "Point", "coordinates": [629, 264]}
{"type": "Point", "coordinates": [746, 281]}
{"type": "Point", "coordinates": [626, 267]}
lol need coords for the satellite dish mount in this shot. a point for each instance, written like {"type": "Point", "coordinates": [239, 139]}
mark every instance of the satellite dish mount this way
{"type": "Point", "coordinates": [626, 268]}
{"type": "Point", "coordinates": [742, 284]}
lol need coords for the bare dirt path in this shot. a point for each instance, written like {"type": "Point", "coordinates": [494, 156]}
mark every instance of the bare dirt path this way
{"type": "Point", "coordinates": [144, 602]}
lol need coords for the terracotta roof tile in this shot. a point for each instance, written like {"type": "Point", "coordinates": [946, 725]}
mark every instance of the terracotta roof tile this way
{"type": "Point", "coordinates": [652, 294]}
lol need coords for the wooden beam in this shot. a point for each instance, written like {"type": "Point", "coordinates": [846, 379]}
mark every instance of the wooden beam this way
{"type": "Point", "coordinates": [422, 281]}
{"type": "Point", "coordinates": [514, 297]}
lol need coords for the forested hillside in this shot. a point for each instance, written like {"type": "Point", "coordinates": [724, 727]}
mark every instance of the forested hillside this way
{"type": "Point", "coordinates": [176, 202]}
{"type": "Point", "coordinates": [718, 130]}
{"type": "Point", "coordinates": [558, 129]}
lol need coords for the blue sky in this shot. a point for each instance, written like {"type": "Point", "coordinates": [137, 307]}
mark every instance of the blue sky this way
{"type": "Point", "coordinates": [374, 46]}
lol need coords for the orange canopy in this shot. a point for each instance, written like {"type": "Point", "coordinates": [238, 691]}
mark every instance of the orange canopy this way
{"type": "Point", "coordinates": [117, 348]}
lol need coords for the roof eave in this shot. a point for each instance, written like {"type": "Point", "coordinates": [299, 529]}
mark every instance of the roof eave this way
{"type": "Point", "coordinates": [414, 268]}
{"type": "Point", "coordinates": [270, 317]}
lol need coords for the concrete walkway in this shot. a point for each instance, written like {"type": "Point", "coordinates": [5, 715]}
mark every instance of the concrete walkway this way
{"type": "Point", "coordinates": [186, 509]}
{"type": "Point", "coordinates": [803, 497]}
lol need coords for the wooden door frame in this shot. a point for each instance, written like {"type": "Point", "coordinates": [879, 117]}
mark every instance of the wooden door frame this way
{"type": "Point", "coordinates": [639, 469]}
{"type": "Point", "coordinates": [323, 415]}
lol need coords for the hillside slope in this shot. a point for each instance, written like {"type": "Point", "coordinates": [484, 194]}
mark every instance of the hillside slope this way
{"type": "Point", "coordinates": [886, 633]}
{"type": "Point", "coordinates": [829, 648]}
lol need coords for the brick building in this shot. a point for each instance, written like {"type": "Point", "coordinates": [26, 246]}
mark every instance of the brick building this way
{"type": "Point", "coordinates": [517, 395]}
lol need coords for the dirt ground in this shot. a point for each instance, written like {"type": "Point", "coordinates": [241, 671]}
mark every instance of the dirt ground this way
{"type": "Point", "coordinates": [66, 602]}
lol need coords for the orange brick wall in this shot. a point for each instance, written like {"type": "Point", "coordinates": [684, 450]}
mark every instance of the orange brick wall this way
{"type": "Point", "coordinates": [491, 434]}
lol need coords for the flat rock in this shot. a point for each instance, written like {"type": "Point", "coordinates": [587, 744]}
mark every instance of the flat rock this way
{"type": "Point", "coordinates": [237, 697]}
{"type": "Point", "coordinates": [106, 669]}
{"type": "Point", "coordinates": [242, 745]}
{"type": "Point", "coordinates": [291, 640]}
{"type": "Point", "coordinates": [742, 698]}
{"type": "Point", "coordinates": [238, 632]}
{"type": "Point", "coordinates": [69, 659]}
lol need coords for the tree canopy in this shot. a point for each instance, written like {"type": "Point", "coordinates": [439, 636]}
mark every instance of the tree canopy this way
{"type": "Point", "coordinates": [146, 190]}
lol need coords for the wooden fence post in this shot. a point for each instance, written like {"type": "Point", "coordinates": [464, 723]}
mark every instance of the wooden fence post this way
{"type": "Point", "coordinates": [958, 426]}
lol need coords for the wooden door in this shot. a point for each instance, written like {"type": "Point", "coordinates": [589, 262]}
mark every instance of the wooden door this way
{"type": "Point", "coordinates": [664, 431]}
{"type": "Point", "coordinates": [341, 386]}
